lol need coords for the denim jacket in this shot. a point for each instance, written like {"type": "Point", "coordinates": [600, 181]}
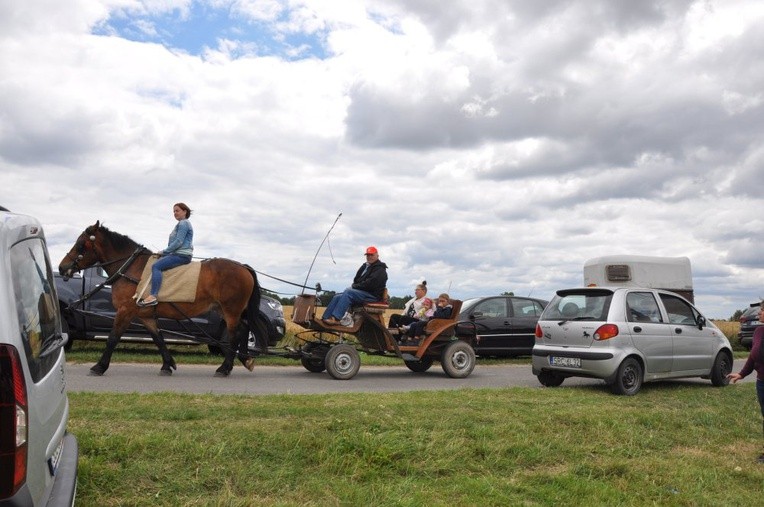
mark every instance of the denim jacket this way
{"type": "Point", "coordinates": [181, 239]}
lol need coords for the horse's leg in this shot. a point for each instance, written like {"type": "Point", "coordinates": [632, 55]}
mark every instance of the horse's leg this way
{"type": "Point", "coordinates": [229, 347]}
{"type": "Point", "coordinates": [168, 363]}
{"type": "Point", "coordinates": [121, 322]}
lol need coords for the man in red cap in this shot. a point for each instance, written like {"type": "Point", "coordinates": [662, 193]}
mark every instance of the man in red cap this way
{"type": "Point", "coordinates": [368, 285]}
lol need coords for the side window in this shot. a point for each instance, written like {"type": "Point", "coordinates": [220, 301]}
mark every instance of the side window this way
{"type": "Point", "coordinates": [34, 291]}
{"type": "Point", "coordinates": [524, 308]}
{"type": "Point", "coordinates": [494, 307]}
{"type": "Point", "coordinates": [679, 311]}
{"type": "Point", "coordinates": [642, 307]}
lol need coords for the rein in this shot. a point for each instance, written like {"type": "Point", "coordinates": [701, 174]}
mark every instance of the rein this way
{"type": "Point", "coordinates": [119, 273]}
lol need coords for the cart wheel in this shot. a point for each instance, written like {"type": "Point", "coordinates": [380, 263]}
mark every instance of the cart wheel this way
{"type": "Point", "coordinates": [458, 359]}
{"type": "Point", "coordinates": [342, 361]}
{"type": "Point", "coordinates": [420, 366]}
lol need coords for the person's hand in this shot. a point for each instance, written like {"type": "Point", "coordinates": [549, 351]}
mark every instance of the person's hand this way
{"type": "Point", "coordinates": [734, 377]}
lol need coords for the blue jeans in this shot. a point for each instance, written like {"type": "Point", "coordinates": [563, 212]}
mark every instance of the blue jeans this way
{"type": "Point", "coordinates": [341, 302]}
{"type": "Point", "coordinates": [163, 264]}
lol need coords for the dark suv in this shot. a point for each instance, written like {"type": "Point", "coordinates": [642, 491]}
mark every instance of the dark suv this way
{"type": "Point", "coordinates": [38, 457]}
{"type": "Point", "coordinates": [749, 321]}
{"type": "Point", "coordinates": [505, 325]}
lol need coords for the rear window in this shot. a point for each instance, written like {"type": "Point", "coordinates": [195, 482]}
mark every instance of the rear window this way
{"type": "Point", "coordinates": [583, 305]}
{"type": "Point", "coordinates": [33, 288]}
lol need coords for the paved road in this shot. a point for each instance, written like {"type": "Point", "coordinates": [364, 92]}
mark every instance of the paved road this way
{"type": "Point", "coordinates": [127, 377]}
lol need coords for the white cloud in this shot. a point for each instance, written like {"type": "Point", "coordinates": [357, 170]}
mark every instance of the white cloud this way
{"type": "Point", "coordinates": [486, 147]}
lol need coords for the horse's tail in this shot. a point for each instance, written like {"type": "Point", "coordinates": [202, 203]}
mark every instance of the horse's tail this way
{"type": "Point", "coordinates": [255, 323]}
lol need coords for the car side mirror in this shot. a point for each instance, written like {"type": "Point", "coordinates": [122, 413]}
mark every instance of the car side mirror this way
{"type": "Point", "coordinates": [701, 322]}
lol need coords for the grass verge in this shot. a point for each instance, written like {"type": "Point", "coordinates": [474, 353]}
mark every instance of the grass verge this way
{"type": "Point", "coordinates": [672, 444]}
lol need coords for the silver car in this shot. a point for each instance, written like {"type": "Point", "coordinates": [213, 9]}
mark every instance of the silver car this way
{"type": "Point", "coordinates": [627, 336]}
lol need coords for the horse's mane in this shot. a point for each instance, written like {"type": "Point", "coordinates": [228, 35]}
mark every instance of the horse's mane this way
{"type": "Point", "coordinates": [117, 240]}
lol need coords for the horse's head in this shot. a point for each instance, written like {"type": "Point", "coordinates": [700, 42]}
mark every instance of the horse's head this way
{"type": "Point", "coordinates": [85, 252]}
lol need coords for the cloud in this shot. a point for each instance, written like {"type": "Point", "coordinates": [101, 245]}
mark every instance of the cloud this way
{"type": "Point", "coordinates": [491, 146]}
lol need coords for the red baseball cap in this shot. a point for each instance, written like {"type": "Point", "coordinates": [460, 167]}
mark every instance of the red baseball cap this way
{"type": "Point", "coordinates": [371, 250]}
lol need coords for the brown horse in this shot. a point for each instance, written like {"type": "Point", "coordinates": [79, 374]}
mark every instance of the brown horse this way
{"type": "Point", "coordinates": [224, 285]}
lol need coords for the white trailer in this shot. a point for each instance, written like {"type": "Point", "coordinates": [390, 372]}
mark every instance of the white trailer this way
{"type": "Point", "coordinates": [669, 273]}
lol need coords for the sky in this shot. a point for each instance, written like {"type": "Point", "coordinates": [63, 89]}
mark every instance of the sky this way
{"type": "Point", "coordinates": [482, 145]}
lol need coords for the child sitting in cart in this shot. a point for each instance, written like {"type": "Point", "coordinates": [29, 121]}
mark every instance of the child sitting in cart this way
{"type": "Point", "coordinates": [416, 330]}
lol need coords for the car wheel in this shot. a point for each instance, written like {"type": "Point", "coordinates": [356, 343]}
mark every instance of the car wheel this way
{"type": "Point", "coordinates": [458, 359]}
{"type": "Point", "coordinates": [420, 366]}
{"type": "Point", "coordinates": [342, 361]}
{"type": "Point", "coordinates": [722, 367]}
{"type": "Point", "coordinates": [550, 379]}
{"type": "Point", "coordinates": [628, 379]}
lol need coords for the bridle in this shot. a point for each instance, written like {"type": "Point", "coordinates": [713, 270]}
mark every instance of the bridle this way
{"type": "Point", "coordinates": [85, 243]}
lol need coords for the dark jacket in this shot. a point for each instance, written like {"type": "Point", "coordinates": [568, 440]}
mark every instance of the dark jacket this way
{"type": "Point", "coordinates": [443, 313]}
{"type": "Point", "coordinates": [755, 361]}
{"type": "Point", "coordinates": [373, 281]}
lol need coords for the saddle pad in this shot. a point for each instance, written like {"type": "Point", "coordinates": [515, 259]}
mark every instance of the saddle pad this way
{"type": "Point", "coordinates": [178, 284]}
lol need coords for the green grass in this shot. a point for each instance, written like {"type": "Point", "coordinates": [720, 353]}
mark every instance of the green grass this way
{"type": "Point", "coordinates": [672, 444]}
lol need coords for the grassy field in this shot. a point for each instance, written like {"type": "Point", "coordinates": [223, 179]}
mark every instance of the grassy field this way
{"type": "Point", "coordinates": [673, 444]}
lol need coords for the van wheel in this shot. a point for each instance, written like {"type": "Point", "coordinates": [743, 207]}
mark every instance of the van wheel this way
{"type": "Point", "coordinates": [550, 379]}
{"type": "Point", "coordinates": [722, 367]}
{"type": "Point", "coordinates": [628, 379]}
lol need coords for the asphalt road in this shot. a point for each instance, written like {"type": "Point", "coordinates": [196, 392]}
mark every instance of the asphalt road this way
{"type": "Point", "coordinates": [199, 379]}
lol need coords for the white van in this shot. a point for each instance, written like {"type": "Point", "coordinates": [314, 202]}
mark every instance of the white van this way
{"type": "Point", "coordinates": [668, 273]}
{"type": "Point", "coordinates": [38, 457]}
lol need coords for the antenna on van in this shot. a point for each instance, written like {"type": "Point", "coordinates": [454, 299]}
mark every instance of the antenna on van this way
{"type": "Point", "coordinates": [317, 251]}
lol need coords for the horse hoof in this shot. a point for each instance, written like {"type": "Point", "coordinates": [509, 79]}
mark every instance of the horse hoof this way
{"type": "Point", "coordinates": [165, 372]}
{"type": "Point", "coordinates": [249, 363]}
{"type": "Point", "coordinates": [97, 371]}
{"type": "Point", "coordinates": [222, 373]}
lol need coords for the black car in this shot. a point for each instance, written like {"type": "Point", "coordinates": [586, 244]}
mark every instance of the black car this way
{"type": "Point", "coordinates": [505, 325]}
{"type": "Point", "coordinates": [749, 321]}
{"type": "Point", "coordinates": [93, 318]}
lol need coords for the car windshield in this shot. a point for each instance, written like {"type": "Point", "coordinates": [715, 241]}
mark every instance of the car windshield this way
{"type": "Point", "coordinates": [581, 305]}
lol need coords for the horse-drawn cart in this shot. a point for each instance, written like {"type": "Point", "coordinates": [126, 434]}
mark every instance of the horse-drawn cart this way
{"type": "Point", "coordinates": [336, 348]}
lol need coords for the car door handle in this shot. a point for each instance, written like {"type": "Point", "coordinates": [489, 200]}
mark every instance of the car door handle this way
{"type": "Point", "coordinates": [637, 329]}
{"type": "Point", "coordinates": [678, 330]}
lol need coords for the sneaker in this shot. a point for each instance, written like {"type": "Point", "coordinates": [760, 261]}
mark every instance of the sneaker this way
{"type": "Point", "coordinates": [143, 303]}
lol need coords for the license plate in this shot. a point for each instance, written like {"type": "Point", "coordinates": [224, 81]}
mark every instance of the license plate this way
{"type": "Point", "coordinates": [567, 362]}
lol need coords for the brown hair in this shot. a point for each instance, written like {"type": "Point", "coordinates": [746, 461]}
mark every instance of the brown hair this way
{"type": "Point", "coordinates": [184, 207]}
{"type": "Point", "coordinates": [422, 286]}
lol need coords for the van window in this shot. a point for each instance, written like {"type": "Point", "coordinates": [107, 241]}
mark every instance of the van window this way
{"type": "Point", "coordinates": [34, 291]}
